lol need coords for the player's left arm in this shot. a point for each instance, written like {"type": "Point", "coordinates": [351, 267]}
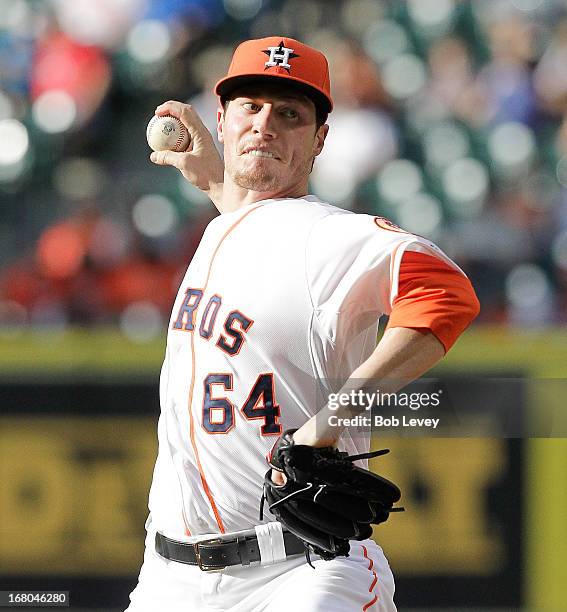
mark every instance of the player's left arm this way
{"type": "Point", "coordinates": [403, 354]}
{"type": "Point", "coordinates": [435, 302]}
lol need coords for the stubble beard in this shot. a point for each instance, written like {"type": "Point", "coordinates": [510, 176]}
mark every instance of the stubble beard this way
{"type": "Point", "coordinates": [257, 180]}
{"type": "Point", "coordinates": [262, 178]}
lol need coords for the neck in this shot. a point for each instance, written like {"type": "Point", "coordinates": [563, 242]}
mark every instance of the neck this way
{"type": "Point", "coordinates": [234, 196]}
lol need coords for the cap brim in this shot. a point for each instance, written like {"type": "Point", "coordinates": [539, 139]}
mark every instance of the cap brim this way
{"type": "Point", "coordinates": [227, 85]}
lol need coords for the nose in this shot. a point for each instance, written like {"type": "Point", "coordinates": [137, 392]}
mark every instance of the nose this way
{"type": "Point", "coordinates": [264, 122]}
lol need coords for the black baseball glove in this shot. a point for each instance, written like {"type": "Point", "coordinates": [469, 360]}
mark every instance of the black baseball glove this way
{"type": "Point", "coordinates": [326, 500]}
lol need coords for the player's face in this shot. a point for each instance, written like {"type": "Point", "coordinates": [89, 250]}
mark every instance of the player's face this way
{"type": "Point", "coordinates": [270, 139]}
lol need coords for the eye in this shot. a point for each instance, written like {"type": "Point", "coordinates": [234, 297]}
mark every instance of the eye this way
{"type": "Point", "coordinates": [290, 113]}
{"type": "Point", "coordinates": [251, 106]}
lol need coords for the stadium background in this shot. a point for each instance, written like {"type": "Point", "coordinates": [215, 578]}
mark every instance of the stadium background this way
{"type": "Point", "coordinates": [449, 120]}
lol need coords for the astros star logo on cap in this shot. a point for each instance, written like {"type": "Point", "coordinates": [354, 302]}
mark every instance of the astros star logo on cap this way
{"type": "Point", "coordinates": [279, 56]}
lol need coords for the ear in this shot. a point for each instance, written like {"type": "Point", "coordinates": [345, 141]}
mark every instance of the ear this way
{"type": "Point", "coordinates": [319, 141]}
{"type": "Point", "coordinates": [220, 125]}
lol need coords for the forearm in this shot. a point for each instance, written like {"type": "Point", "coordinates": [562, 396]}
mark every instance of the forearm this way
{"type": "Point", "coordinates": [402, 355]}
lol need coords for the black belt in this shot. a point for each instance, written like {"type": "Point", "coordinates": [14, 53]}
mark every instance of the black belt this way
{"type": "Point", "coordinates": [216, 554]}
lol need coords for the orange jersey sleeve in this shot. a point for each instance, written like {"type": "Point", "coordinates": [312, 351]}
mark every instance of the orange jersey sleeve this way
{"type": "Point", "coordinates": [433, 295]}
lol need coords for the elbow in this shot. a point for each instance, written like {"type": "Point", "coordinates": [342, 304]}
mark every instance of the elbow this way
{"type": "Point", "coordinates": [465, 310]}
{"type": "Point", "coordinates": [471, 307]}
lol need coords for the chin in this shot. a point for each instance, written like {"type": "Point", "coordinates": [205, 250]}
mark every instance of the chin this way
{"type": "Point", "coordinates": [258, 181]}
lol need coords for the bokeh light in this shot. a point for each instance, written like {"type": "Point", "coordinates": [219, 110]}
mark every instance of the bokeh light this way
{"type": "Point", "coordinates": [529, 295]}
{"type": "Point", "coordinates": [512, 147]}
{"type": "Point", "coordinates": [431, 16]}
{"type": "Point", "coordinates": [466, 184]}
{"type": "Point", "coordinates": [60, 251]}
{"type": "Point", "coordinates": [421, 214]}
{"type": "Point", "coordinates": [54, 111]}
{"type": "Point", "coordinates": [12, 174]}
{"type": "Point", "coordinates": [527, 5]}
{"type": "Point", "coordinates": [154, 215]}
{"type": "Point", "coordinates": [404, 76]}
{"type": "Point", "coordinates": [141, 322]}
{"type": "Point", "coordinates": [14, 142]}
{"type": "Point", "coordinates": [339, 186]}
{"type": "Point", "coordinates": [242, 10]}
{"type": "Point", "coordinates": [399, 180]}
{"type": "Point", "coordinates": [385, 40]}
{"type": "Point", "coordinates": [101, 23]}
{"type": "Point", "coordinates": [149, 41]}
{"type": "Point", "coordinates": [527, 286]}
{"type": "Point", "coordinates": [445, 142]}
{"type": "Point", "coordinates": [14, 15]}
{"type": "Point", "coordinates": [79, 178]}
{"type": "Point", "coordinates": [357, 14]}
{"type": "Point", "coordinates": [561, 171]}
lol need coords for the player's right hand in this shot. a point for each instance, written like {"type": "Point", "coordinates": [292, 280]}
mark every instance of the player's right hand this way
{"type": "Point", "coordinates": [201, 163]}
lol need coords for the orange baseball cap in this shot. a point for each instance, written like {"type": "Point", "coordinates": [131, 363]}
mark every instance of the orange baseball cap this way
{"type": "Point", "coordinates": [278, 57]}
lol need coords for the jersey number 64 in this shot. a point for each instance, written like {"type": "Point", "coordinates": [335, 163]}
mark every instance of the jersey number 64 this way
{"type": "Point", "coordinates": [219, 412]}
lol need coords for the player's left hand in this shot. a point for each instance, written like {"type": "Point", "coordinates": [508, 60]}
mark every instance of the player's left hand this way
{"type": "Point", "coordinates": [315, 432]}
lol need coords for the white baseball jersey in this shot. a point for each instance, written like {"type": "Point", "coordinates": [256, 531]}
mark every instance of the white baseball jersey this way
{"type": "Point", "coordinates": [281, 297]}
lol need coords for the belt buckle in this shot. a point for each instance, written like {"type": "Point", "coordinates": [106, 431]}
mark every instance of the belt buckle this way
{"type": "Point", "coordinates": [203, 566]}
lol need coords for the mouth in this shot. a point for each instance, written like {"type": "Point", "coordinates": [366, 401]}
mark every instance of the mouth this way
{"type": "Point", "coordinates": [260, 153]}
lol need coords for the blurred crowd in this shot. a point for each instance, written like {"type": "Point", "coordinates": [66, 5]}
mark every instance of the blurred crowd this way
{"type": "Point", "coordinates": [450, 120]}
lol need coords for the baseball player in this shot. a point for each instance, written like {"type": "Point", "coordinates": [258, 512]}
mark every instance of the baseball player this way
{"type": "Point", "coordinates": [282, 296]}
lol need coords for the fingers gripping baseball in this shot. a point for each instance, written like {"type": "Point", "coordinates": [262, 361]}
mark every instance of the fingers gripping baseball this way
{"type": "Point", "coordinates": [168, 158]}
{"type": "Point", "coordinates": [201, 163]}
{"type": "Point", "coordinates": [188, 116]}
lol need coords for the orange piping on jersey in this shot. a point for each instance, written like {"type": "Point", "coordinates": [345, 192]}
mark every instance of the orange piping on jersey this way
{"type": "Point", "coordinates": [374, 581]}
{"type": "Point", "coordinates": [192, 385]}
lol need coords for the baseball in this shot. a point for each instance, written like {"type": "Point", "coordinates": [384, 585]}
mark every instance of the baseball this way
{"type": "Point", "coordinates": [167, 133]}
